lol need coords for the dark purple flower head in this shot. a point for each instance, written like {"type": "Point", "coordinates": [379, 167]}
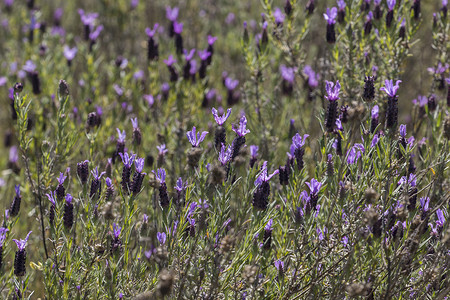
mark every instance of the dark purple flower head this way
{"type": "Point", "coordinates": [127, 160]}
{"type": "Point", "coordinates": [254, 151]}
{"type": "Point", "coordinates": [332, 90]}
{"type": "Point", "coordinates": [69, 198]}
{"type": "Point", "coordinates": [172, 13]}
{"type": "Point", "coordinates": [116, 230]}
{"type": "Point", "coordinates": [161, 236]}
{"type": "Point", "coordinates": [231, 84]}
{"type": "Point", "coordinates": [108, 182]}
{"type": "Point", "coordinates": [375, 111]}
{"type": "Point", "coordinates": [139, 165]}
{"type": "Point", "coordinates": [268, 226]}
{"type": "Point", "coordinates": [21, 244]}
{"type": "Point", "coordinates": [188, 55]}
{"type": "Point", "coordinates": [341, 4]}
{"type": "Point", "coordinates": [151, 32]}
{"type": "Point", "coordinates": [177, 27]}
{"type": "Point", "coordinates": [225, 154]}
{"type": "Point", "coordinates": [402, 130]}
{"type": "Point", "coordinates": [162, 150]}
{"type": "Point", "coordinates": [287, 73]}
{"type": "Point", "coordinates": [298, 141]}
{"type": "Point", "coordinates": [122, 135]}
{"type": "Point", "coordinates": [220, 119]}
{"type": "Point", "coordinates": [170, 61]}
{"type": "Point", "coordinates": [52, 197]}
{"type": "Point", "coordinates": [279, 16]}
{"type": "Point", "coordinates": [211, 40]}
{"type": "Point", "coordinates": [96, 174]}
{"type": "Point", "coordinates": [204, 54]}
{"type": "Point", "coordinates": [242, 129]}
{"type": "Point", "coordinates": [61, 178]}
{"type": "Point", "coordinates": [263, 177]}
{"type": "Point", "coordinates": [88, 19]}
{"type": "Point", "coordinates": [180, 185]}
{"type": "Point", "coordinates": [411, 181]}
{"type": "Point", "coordinates": [196, 138]}
{"type": "Point", "coordinates": [69, 53]}
{"type": "Point", "coordinates": [424, 203]}
{"type": "Point", "coordinates": [330, 15]}
{"type": "Point", "coordinates": [391, 4]}
{"type": "Point", "coordinates": [160, 175]}
{"type": "Point", "coordinates": [390, 88]}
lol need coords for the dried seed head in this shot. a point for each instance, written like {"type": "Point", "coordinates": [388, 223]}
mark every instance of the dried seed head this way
{"type": "Point", "coordinates": [194, 156]}
{"type": "Point", "coordinates": [249, 274]}
{"type": "Point", "coordinates": [356, 289]}
{"type": "Point", "coordinates": [63, 88]}
{"type": "Point", "coordinates": [371, 217]}
{"type": "Point", "coordinates": [371, 195]}
{"type": "Point", "coordinates": [166, 281]}
{"type": "Point", "coordinates": [218, 174]}
{"type": "Point", "coordinates": [227, 243]}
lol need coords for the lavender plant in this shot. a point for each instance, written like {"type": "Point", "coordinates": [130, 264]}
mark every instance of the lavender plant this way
{"type": "Point", "coordinates": [319, 179]}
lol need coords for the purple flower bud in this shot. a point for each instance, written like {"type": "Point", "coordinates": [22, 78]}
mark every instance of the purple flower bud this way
{"type": "Point", "coordinates": [330, 15]}
{"type": "Point", "coordinates": [172, 13]}
{"type": "Point", "coordinates": [402, 130]}
{"type": "Point", "coordinates": [161, 236]}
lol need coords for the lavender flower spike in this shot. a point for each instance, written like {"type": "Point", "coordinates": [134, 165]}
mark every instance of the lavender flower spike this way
{"type": "Point", "coordinates": [196, 139]}
{"type": "Point", "coordinates": [117, 230]}
{"type": "Point", "coordinates": [127, 159]}
{"type": "Point", "coordinates": [225, 154]}
{"type": "Point", "coordinates": [220, 120]}
{"type": "Point", "coordinates": [390, 88]}
{"type": "Point", "coordinates": [314, 187]}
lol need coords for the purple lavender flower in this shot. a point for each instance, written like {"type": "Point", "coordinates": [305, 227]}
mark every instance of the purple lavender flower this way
{"type": "Point", "coordinates": [374, 141]}
{"type": "Point", "coordinates": [172, 13]}
{"type": "Point", "coordinates": [288, 75]}
{"type": "Point", "coordinates": [68, 212]}
{"type": "Point", "coordinates": [69, 53]}
{"type": "Point", "coordinates": [330, 15]}
{"type": "Point", "coordinates": [162, 150]}
{"type": "Point", "coordinates": [262, 192]}
{"type": "Point", "coordinates": [225, 154]}
{"type": "Point", "coordinates": [242, 129]}
{"type": "Point", "coordinates": [402, 130]}
{"type": "Point", "coordinates": [15, 205]}
{"type": "Point", "coordinates": [441, 219]}
{"type": "Point", "coordinates": [161, 236]}
{"type": "Point", "coordinates": [279, 16]}
{"type": "Point", "coordinates": [312, 77]}
{"type": "Point", "coordinates": [231, 84]}
{"type": "Point", "coordinates": [160, 175]}
{"type": "Point", "coordinates": [137, 136]}
{"type": "Point", "coordinates": [392, 108]}
{"type": "Point", "coordinates": [93, 36]}
{"type": "Point", "coordinates": [170, 61]}
{"type": "Point", "coordinates": [374, 118]}
{"type": "Point", "coordinates": [60, 190]}
{"type": "Point", "coordinates": [425, 203]}
{"type": "Point", "coordinates": [20, 256]}
{"type": "Point", "coordinates": [314, 188]}
{"type": "Point", "coordinates": [95, 183]}
{"type": "Point", "coordinates": [390, 14]}
{"type": "Point", "coordinates": [267, 238]}
{"type": "Point", "coordinates": [196, 138]}
{"type": "Point", "coordinates": [354, 153]}
{"type": "Point", "coordinates": [220, 120]}
{"type": "Point", "coordinates": [341, 10]}
{"type": "Point", "coordinates": [410, 181]}
{"type": "Point", "coordinates": [117, 230]}
{"type": "Point", "coordinates": [178, 29]}
{"type": "Point", "coordinates": [332, 97]}
{"type": "Point", "coordinates": [138, 176]}
{"type": "Point", "coordinates": [152, 45]}
{"type": "Point", "coordinates": [127, 161]}
{"type": "Point", "coordinates": [297, 147]}
{"type": "Point", "coordinates": [109, 189]}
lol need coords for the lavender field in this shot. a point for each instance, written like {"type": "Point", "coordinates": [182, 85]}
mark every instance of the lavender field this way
{"type": "Point", "coordinates": [201, 149]}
